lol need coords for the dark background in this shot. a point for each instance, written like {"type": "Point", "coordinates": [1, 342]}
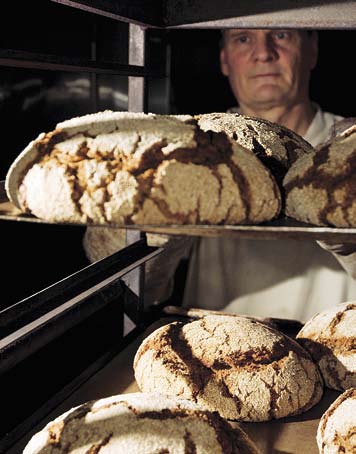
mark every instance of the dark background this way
{"type": "Point", "coordinates": [34, 256]}
{"type": "Point", "coordinates": [198, 86]}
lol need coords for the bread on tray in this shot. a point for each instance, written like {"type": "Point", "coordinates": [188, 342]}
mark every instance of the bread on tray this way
{"type": "Point", "coordinates": [239, 367]}
{"type": "Point", "coordinates": [330, 338]}
{"type": "Point", "coordinates": [139, 423]}
{"type": "Point", "coordinates": [136, 168]}
{"type": "Point", "coordinates": [321, 187]}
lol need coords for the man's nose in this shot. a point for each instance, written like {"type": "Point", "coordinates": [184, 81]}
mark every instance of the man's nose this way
{"type": "Point", "coordinates": [264, 49]}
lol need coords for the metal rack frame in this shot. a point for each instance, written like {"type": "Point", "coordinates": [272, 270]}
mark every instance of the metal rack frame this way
{"type": "Point", "coordinates": [74, 298]}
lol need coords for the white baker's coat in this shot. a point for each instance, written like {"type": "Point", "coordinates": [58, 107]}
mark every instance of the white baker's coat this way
{"type": "Point", "coordinates": [281, 278]}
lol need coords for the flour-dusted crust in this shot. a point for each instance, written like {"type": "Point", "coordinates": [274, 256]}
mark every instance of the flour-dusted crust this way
{"type": "Point", "coordinates": [321, 188]}
{"type": "Point", "coordinates": [239, 367]}
{"type": "Point", "coordinates": [337, 428]}
{"type": "Point", "coordinates": [135, 168]}
{"type": "Point", "coordinates": [330, 338]}
{"type": "Point", "coordinates": [275, 145]}
{"type": "Point", "coordinates": [140, 423]}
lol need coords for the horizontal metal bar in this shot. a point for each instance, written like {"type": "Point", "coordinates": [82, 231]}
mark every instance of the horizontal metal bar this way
{"type": "Point", "coordinates": [31, 336]}
{"type": "Point", "coordinates": [142, 12]}
{"type": "Point", "coordinates": [313, 14]}
{"type": "Point", "coordinates": [27, 310]}
{"type": "Point", "coordinates": [29, 60]}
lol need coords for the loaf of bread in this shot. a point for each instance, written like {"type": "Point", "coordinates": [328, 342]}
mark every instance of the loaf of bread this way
{"type": "Point", "coordinates": [321, 187]}
{"type": "Point", "coordinates": [337, 427]}
{"type": "Point", "coordinates": [135, 168]}
{"type": "Point", "coordinates": [239, 367]}
{"type": "Point", "coordinates": [276, 146]}
{"type": "Point", "coordinates": [330, 338]}
{"type": "Point", "coordinates": [139, 423]}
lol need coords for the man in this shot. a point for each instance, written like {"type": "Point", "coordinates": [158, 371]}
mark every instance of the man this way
{"type": "Point", "coordinates": [269, 73]}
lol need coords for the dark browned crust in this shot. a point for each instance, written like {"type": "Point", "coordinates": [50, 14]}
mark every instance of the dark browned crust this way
{"type": "Point", "coordinates": [320, 346]}
{"type": "Point", "coordinates": [172, 348]}
{"type": "Point", "coordinates": [231, 440]}
{"type": "Point", "coordinates": [349, 394]}
{"type": "Point", "coordinates": [316, 178]}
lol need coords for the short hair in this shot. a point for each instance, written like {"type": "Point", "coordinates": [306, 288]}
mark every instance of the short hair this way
{"type": "Point", "coordinates": [222, 35]}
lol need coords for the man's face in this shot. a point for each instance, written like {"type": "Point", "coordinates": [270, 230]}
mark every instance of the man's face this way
{"type": "Point", "coordinates": [267, 68]}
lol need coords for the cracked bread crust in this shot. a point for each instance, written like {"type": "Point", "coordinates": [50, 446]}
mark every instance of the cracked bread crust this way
{"type": "Point", "coordinates": [134, 168]}
{"type": "Point", "coordinates": [321, 188]}
{"type": "Point", "coordinates": [275, 145]}
{"type": "Point", "coordinates": [330, 338]}
{"type": "Point", "coordinates": [337, 427]}
{"type": "Point", "coordinates": [239, 367]}
{"type": "Point", "coordinates": [140, 423]}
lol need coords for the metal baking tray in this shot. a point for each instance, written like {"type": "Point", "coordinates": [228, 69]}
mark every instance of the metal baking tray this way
{"type": "Point", "coordinates": [282, 228]}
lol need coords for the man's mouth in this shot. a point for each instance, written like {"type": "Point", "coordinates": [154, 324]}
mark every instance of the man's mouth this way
{"type": "Point", "coordinates": [256, 76]}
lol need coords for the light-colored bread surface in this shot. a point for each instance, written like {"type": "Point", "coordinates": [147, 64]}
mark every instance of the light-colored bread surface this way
{"type": "Point", "coordinates": [139, 423]}
{"type": "Point", "coordinates": [136, 168]}
{"type": "Point", "coordinates": [321, 187]}
{"type": "Point", "coordinates": [330, 338]}
{"type": "Point", "coordinates": [337, 428]}
{"type": "Point", "coordinates": [239, 367]}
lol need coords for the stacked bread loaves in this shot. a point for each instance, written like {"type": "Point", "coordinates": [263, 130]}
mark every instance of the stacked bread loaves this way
{"type": "Point", "coordinates": [321, 187]}
{"type": "Point", "coordinates": [239, 367]}
{"type": "Point", "coordinates": [135, 168]}
{"type": "Point", "coordinates": [330, 338]}
{"type": "Point", "coordinates": [337, 427]}
{"type": "Point", "coordinates": [139, 423]}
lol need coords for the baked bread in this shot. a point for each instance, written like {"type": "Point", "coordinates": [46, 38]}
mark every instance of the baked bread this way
{"type": "Point", "coordinates": [139, 423]}
{"type": "Point", "coordinates": [239, 367]}
{"type": "Point", "coordinates": [337, 427]}
{"type": "Point", "coordinates": [276, 146]}
{"type": "Point", "coordinates": [320, 188]}
{"type": "Point", "coordinates": [330, 338]}
{"type": "Point", "coordinates": [135, 168]}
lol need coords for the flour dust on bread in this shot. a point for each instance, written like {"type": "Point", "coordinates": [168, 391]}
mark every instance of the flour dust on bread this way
{"type": "Point", "coordinates": [135, 168]}
{"type": "Point", "coordinates": [140, 423]}
{"type": "Point", "coordinates": [336, 431]}
{"type": "Point", "coordinates": [330, 338]}
{"type": "Point", "coordinates": [321, 188]}
{"type": "Point", "coordinates": [239, 367]}
{"type": "Point", "coordinates": [275, 145]}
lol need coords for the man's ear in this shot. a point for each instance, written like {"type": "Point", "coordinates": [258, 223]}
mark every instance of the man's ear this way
{"type": "Point", "coordinates": [223, 62]}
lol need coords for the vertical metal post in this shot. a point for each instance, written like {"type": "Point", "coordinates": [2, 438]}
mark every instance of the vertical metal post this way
{"type": "Point", "coordinates": [137, 44]}
{"type": "Point", "coordinates": [93, 76]}
{"type": "Point", "coordinates": [137, 103]}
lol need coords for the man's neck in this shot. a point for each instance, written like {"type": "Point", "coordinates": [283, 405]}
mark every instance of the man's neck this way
{"type": "Point", "coordinates": [297, 118]}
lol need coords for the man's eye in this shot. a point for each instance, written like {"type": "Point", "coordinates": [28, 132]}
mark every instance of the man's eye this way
{"type": "Point", "coordinates": [281, 35]}
{"type": "Point", "coordinates": [241, 39]}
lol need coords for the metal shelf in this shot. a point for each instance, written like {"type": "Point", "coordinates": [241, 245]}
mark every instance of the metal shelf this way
{"type": "Point", "coordinates": [282, 228]}
{"type": "Point", "coordinates": [316, 14]}
{"type": "Point", "coordinates": [21, 59]}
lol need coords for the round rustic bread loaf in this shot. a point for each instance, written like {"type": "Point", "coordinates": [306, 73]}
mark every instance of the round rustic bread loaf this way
{"type": "Point", "coordinates": [337, 427]}
{"type": "Point", "coordinates": [321, 188]}
{"type": "Point", "coordinates": [330, 338]}
{"type": "Point", "coordinates": [239, 367]}
{"type": "Point", "coordinates": [275, 145]}
{"type": "Point", "coordinates": [140, 423]}
{"type": "Point", "coordinates": [135, 168]}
